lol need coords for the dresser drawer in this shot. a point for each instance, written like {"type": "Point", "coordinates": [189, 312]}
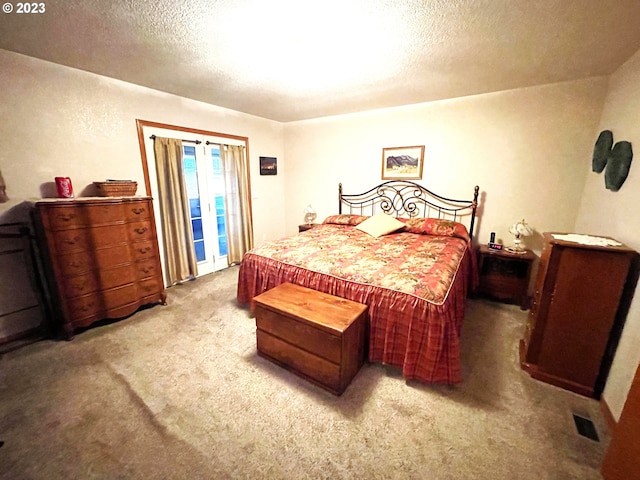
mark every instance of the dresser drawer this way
{"type": "Point", "coordinates": [114, 277]}
{"type": "Point", "coordinates": [75, 263]}
{"type": "Point", "coordinates": [59, 218]}
{"type": "Point", "coordinates": [75, 239]}
{"type": "Point", "coordinates": [150, 286]}
{"type": "Point", "coordinates": [105, 214]}
{"type": "Point", "coordinates": [63, 217]}
{"type": "Point", "coordinates": [140, 230]}
{"type": "Point", "coordinates": [143, 250]}
{"type": "Point", "coordinates": [98, 280]}
{"type": "Point", "coordinates": [304, 336]}
{"type": "Point", "coordinates": [317, 369]}
{"type": "Point", "coordinates": [116, 297]}
{"type": "Point", "coordinates": [146, 268]}
{"type": "Point", "coordinates": [137, 211]}
{"type": "Point", "coordinates": [108, 235]}
{"type": "Point", "coordinates": [80, 285]}
{"type": "Point", "coordinates": [81, 262]}
{"type": "Point", "coordinates": [84, 306]}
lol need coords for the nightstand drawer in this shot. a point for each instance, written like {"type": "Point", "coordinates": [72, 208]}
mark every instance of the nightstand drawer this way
{"type": "Point", "coordinates": [504, 275]}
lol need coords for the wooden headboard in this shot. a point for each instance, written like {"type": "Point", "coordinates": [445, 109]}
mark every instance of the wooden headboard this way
{"type": "Point", "coordinates": [403, 198]}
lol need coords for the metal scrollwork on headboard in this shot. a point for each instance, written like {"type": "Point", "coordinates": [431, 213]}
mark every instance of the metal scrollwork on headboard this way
{"type": "Point", "coordinates": [402, 198]}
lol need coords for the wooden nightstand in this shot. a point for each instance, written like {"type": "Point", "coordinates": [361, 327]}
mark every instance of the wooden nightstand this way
{"type": "Point", "coordinates": [505, 275]}
{"type": "Point", "coordinates": [306, 226]}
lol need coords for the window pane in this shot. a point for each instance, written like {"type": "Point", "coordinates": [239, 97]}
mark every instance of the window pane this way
{"type": "Point", "coordinates": [215, 159]}
{"type": "Point", "coordinates": [219, 205]}
{"type": "Point", "coordinates": [222, 244]}
{"type": "Point", "coordinates": [218, 177]}
{"type": "Point", "coordinates": [222, 226]}
{"type": "Point", "coordinates": [199, 246]}
{"type": "Point", "coordinates": [197, 229]}
{"type": "Point", "coordinates": [190, 176]}
{"type": "Point", "coordinates": [194, 205]}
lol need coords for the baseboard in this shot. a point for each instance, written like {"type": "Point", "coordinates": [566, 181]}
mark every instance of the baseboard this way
{"type": "Point", "coordinates": [608, 416]}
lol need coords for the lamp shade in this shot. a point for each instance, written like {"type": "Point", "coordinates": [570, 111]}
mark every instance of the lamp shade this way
{"type": "Point", "coordinates": [309, 214]}
{"type": "Point", "coordinates": [521, 228]}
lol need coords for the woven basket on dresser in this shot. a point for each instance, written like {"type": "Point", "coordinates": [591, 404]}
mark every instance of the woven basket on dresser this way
{"type": "Point", "coordinates": [116, 189]}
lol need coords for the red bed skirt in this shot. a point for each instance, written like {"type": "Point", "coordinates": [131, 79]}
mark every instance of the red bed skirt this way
{"type": "Point", "coordinates": [420, 338]}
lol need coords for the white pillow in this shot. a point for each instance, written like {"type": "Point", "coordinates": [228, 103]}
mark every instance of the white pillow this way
{"type": "Point", "coordinates": [380, 224]}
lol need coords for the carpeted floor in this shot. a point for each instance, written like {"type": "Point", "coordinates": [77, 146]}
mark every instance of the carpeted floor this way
{"type": "Point", "coordinates": [178, 392]}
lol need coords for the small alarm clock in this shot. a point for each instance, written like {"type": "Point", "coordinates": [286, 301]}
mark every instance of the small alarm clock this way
{"type": "Point", "coordinates": [492, 242]}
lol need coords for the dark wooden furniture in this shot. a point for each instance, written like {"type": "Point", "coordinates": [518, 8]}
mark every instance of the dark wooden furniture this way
{"type": "Point", "coordinates": [504, 275]}
{"type": "Point", "coordinates": [622, 460]}
{"type": "Point", "coordinates": [306, 226]}
{"type": "Point", "coordinates": [575, 308]}
{"type": "Point", "coordinates": [22, 300]}
{"type": "Point", "coordinates": [102, 258]}
{"type": "Point", "coordinates": [318, 336]}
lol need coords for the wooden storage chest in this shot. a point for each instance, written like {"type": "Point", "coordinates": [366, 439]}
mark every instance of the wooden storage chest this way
{"type": "Point", "coordinates": [318, 336]}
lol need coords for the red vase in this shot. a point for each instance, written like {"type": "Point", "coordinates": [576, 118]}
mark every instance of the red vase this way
{"type": "Point", "coordinates": [64, 186]}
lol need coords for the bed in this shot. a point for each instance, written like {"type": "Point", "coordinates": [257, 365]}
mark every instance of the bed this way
{"type": "Point", "coordinates": [414, 278]}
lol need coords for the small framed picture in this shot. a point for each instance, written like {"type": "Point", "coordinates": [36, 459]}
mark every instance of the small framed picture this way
{"type": "Point", "coordinates": [268, 166]}
{"type": "Point", "coordinates": [402, 163]}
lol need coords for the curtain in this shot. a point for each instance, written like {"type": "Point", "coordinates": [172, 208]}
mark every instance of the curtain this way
{"type": "Point", "coordinates": [179, 251]}
{"type": "Point", "coordinates": [3, 190]}
{"type": "Point", "coordinates": [238, 202]}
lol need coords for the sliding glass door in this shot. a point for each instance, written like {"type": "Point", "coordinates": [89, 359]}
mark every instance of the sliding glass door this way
{"type": "Point", "coordinates": [205, 189]}
{"type": "Point", "coordinates": [205, 183]}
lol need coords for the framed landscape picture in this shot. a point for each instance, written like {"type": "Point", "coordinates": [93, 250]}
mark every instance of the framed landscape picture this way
{"type": "Point", "coordinates": [268, 166]}
{"type": "Point", "coordinates": [402, 163]}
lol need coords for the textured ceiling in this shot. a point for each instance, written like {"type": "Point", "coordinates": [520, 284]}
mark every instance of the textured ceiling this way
{"type": "Point", "coordinates": [295, 59]}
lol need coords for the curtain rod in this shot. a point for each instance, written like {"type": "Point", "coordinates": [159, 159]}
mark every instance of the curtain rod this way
{"type": "Point", "coordinates": [197, 142]}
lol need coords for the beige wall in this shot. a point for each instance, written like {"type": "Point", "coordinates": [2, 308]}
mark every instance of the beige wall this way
{"type": "Point", "coordinates": [62, 121]}
{"type": "Point", "coordinates": [527, 149]}
{"type": "Point", "coordinates": [616, 214]}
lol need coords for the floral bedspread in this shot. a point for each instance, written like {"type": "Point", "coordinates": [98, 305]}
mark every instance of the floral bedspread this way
{"type": "Point", "coordinates": [415, 285]}
{"type": "Point", "coordinates": [420, 265]}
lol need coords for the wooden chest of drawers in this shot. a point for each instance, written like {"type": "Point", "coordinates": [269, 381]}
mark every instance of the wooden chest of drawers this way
{"type": "Point", "coordinates": [318, 336]}
{"type": "Point", "coordinates": [575, 311]}
{"type": "Point", "coordinates": [101, 256]}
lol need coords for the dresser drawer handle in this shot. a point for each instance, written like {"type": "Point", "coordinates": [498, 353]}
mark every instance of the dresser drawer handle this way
{"type": "Point", "coordinates": [148, 288]}
{"type": "Point", "coordinates": [80, 286]}
{"type": "Point", "coordinates": [146, 269]}
{"type": "Point", "coordinates": [66, 218]}
{"type": "Point", "coordinates": [74, 264]}
{"type": "Point", "coordinates": [138, 211]}
{"type": "Point", "coordinates": [71, 241]}
{"type": "Point", "coordinates": [144, 249]}
{"type": "Point", "coordinates": [87, 307]}
{"type": "Point", "coordinates": [140, 231]}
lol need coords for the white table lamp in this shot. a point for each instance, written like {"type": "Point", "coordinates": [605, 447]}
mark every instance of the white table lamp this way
{"type": "Point", "coordinates": [519, 230]}
{"type": "Point", "coordinates": [309, 215]}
